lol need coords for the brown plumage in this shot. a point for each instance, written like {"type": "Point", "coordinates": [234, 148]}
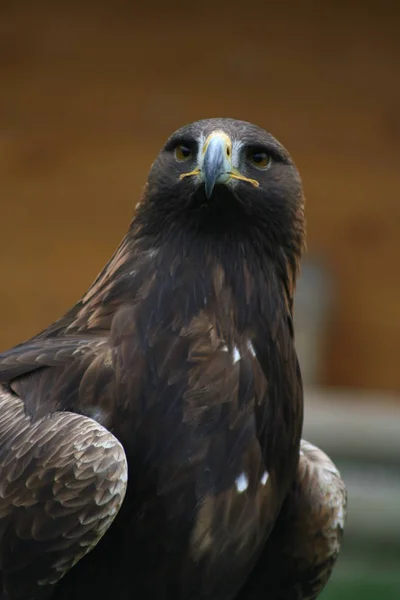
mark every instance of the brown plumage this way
{"type": "Point", "coordinates": [304, 545]}
{"type": "Point", "coordinates": [179, 360]}
{"type": "Point", "coordinates": [63, 479]}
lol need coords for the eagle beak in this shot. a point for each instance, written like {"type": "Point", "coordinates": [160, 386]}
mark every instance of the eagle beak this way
{"type": "Point", "coordinates": [216, 161]}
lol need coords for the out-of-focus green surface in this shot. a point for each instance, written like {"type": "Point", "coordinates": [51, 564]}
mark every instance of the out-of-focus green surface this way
{"type": "Point", "coordinates": [367, 570]}
{"type": "Point", "coordinates": [362, 590]}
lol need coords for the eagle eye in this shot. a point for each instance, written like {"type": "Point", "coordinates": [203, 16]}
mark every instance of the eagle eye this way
{"type": "Point", "coordinates": [183, 152]}
{"type": "Point", "coordinates": [258, 158]}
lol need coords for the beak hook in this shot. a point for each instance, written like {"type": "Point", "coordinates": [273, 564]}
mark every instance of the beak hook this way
{"type": "Point", "coordinates": [215, 163]}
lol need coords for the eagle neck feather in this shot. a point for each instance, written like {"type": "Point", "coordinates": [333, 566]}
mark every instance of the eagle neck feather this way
{"type": "Point", "coordinates": [260, 281]}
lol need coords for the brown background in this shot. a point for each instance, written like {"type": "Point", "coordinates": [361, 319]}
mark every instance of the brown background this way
{"type": "Point", "coordinates": [90, 90]}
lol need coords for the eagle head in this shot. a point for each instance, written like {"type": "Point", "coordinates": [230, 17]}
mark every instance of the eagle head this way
{"type": "Point", "coordinates": [229, 177]}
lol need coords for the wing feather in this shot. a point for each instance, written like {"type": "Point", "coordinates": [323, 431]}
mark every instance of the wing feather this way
{"type": "Point", "coordinates": [52, 352]}
{"type": "Point", "coordinates": [298, 559]}
{"type": "Point", "coordinates": [62, 481]}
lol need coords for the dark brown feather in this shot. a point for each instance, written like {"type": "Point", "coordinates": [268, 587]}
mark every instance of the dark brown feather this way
{"type": "Point", "coordinates": [303, 548]}
{"type": "Point", "coordinates": [63, 480]}
{"type": "Point", "coordinates": [183, 349]}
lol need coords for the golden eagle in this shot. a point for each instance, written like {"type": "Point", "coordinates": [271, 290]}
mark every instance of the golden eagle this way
{"type": "Point", "coordinates": [150, 440]}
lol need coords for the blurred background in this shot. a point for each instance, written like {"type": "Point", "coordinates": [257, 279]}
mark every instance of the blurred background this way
{"type": "Point", "coordinates": [89, 91]}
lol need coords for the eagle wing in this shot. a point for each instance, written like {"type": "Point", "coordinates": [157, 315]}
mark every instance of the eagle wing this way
{"type": "Point", "coordinates": [298, 558]}
{"type": "Point", "coordinates": [62, 481]}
